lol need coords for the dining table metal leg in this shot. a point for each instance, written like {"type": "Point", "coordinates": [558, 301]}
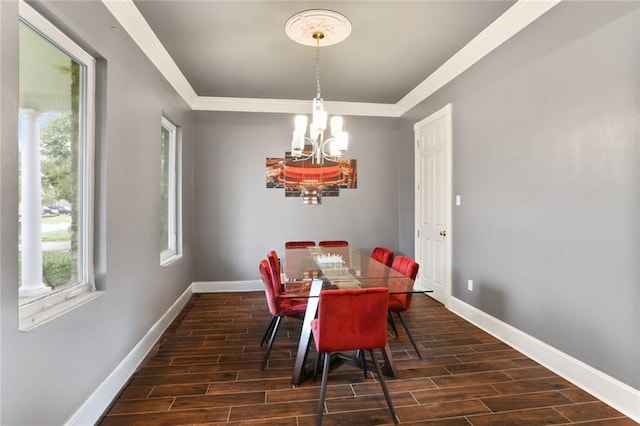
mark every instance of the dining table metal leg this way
{"type": "Point", "coordinates": [299, 372]}
{"type": "Point", "coordinates": [388, 368]}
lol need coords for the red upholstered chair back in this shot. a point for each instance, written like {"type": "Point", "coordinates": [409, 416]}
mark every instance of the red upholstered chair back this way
{"type": "Point", "coordinates": [333, 243]}
{"type": "Point", "coordinates": [351, 319]}
{"type": "Point", "coordinates": [409, 268]}
{"type": "Point", "coordinates": [299, 244]}
{"type": "Point", "coordinates": [265, 273]}
{"type": "Point", "coordinates": [406, 266]}
{"type": "Point", "coordinates": [382, 255]}
{"type": "Point", "coordinates": [274, 266]}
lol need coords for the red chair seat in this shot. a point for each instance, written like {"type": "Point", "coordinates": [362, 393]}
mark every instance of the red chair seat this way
{"type": "Point", "coordinates": [399, 302]}
{"type": "Point", "coordinates": [276, 278]}
{"type": "Point", "coordinates": [290, 307]}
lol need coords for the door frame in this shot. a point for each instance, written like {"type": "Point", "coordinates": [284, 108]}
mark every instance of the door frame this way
{"type": "Point", "coordinates": [445, 112]}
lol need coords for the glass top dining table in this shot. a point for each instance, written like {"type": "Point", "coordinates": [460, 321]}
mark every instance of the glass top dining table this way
{"type": "Point", "coordinates": [339, 268]}
{"type": "Point", "coordinates": [308, 271]}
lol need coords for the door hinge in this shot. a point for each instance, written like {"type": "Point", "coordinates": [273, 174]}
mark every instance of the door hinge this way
{"type": "Point", "coordinates": [418, 233]}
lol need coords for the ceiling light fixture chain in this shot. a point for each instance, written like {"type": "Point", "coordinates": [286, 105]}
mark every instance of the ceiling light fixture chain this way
{"type": "Point", "coordinates": [318, 36]}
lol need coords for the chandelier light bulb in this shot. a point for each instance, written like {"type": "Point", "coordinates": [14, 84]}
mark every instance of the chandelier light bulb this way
{"type": "Point", "coordinates": [334, 149]}
{"type": "Point", "coordinates": [342, 140]}
{"type": "Point", "coordinates": [336, 126]}
{"type": "Point", "coordinates": [319, 115]}
{"type": "Point", "coordinates": [301, 123]}
{"type": "Point", "coordinates": [297, 144]}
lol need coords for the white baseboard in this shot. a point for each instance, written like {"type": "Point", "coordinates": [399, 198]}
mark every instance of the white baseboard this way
{"type": "Point", "coordinates": [611, 391]}
{"type": "Point", "coordinates": [95, 406]}
{"type": "Point", "coordinates": [226, 286]}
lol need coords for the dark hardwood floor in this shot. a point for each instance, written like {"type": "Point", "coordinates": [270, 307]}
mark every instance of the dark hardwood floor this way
{"type": "Point", "coordinates": [206, 370]}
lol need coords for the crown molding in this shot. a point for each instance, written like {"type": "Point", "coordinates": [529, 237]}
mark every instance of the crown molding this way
{"type": "Point", "coordinates": [292, 106]}
{"type": "Point", "coordinates": [517, 17]}
{"type": "Point", "coordinates": [128, 15]}
{"type": "Point", "coordinates": [502, 29]}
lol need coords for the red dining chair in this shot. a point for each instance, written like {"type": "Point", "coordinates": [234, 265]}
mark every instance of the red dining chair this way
{"type": "Point", "coordinates": [278, 289]}
{"type": "Point", "coordinates": [333, 243]}
{"type": "Point", "coordinates": [351, 319]}
{"type": "Point", "coordinates": [299, 244]}
{"type": "Point", "coordinates": [382, 255]}
{"type": "Point", "coordinates": [276, 274]}
{"type": "Point", "coordinates": [279, 307]}
{"type": "Point", "coordinates": [399, 303]}
{"type": "Point", "coordinates": [276, 270]}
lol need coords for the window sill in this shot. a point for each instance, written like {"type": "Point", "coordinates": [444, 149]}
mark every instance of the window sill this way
{"type": "Point", "coordinates": [30, 318]}
{"type": "Point", "coordinates": [170, 259]}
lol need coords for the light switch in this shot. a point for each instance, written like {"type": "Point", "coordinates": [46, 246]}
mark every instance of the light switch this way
{"type": "Point", "coordinates": [457, 200]}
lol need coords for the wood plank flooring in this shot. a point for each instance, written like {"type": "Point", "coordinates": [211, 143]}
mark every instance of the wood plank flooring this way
{"type": "Point", "coordinates": [206, 370]}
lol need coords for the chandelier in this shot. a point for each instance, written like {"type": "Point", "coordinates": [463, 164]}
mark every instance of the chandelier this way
{"type": "Point", "coordinates": [318, 28]}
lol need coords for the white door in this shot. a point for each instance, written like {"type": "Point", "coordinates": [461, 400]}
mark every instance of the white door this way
{"type": "Point", "coordinates": [433, 203]}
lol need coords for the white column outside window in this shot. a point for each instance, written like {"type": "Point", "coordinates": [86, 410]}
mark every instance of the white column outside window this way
{"type": "Point", "coordinates": [31, 206]}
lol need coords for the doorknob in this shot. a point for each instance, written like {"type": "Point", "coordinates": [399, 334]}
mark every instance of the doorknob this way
{"type": "Point", "coordinates": [443, 233]}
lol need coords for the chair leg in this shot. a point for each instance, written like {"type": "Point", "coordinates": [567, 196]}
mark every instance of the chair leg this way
{"type": "Point", "coordinates": [271, 340]}
{"type": "Point", "coordinates": [392, 323]}
{"type": "Point", "coordinates": [316, 365]}
{"type": "Point", "coordinates": [406, 328]}
{"type": "Point", "coordinates": [323, 388]}
{"type": "Point", "coordinates": [272, 321]}
{"type": "Point", "coordinates": [383, 384]}
{"type": "Point", "coordinates": [363, 361]}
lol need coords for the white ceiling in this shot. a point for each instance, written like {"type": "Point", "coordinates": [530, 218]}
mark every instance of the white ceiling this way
{"type": "Point", "coordinates": [235, 55]}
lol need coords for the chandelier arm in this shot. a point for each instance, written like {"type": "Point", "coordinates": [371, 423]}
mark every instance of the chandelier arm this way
{"type": "Point", "coordinates": [299, 159]}
{"type": "Point", "coordinates": [304, 157]}
{"type": "Point", "coordinates": [324, 144]}
{"type": "Point", "coordinates": [327, 155]}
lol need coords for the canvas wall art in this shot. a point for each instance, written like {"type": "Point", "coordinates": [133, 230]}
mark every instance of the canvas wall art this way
{"type": "Point", "coordinates": [309, 180]}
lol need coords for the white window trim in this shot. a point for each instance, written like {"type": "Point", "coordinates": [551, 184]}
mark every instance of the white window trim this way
{"type": "Point", "coordinates": [47, 307]}
{"type": "Point", "coordinates": [174, 196]}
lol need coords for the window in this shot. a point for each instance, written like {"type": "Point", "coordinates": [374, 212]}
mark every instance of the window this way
{"type": "Point", "coordinates": [170, 193]}
{"type": "Point", "coordinates": [56, 139]}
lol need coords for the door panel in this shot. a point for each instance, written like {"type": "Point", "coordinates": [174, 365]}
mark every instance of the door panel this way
{"type": "Point", "coordinates": [433, 203]}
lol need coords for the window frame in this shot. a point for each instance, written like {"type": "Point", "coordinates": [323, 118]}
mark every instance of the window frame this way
{"type": "Point", "coordinates": [51, 305]}
{"type": "Point", "coordinates": [174, 194]}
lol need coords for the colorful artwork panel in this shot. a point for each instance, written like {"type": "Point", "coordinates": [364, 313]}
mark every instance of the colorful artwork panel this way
{"type": "Point", "coordinates": [301, 177]}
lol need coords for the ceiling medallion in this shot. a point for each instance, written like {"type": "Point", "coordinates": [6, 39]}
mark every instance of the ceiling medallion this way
{"type": "Point", "coordinates": [303, 27]}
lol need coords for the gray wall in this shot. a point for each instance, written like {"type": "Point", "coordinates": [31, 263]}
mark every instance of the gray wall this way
{"type": "Point", "coordinates": [240, 220]}
{"type": "Point", "coordinates": [46, 374]}
{"type": "Point", "coordinates": [545, 157]}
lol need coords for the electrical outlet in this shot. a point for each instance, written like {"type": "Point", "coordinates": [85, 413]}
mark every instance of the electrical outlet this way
{"type": "Point", "coordinates": [470, 285]}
